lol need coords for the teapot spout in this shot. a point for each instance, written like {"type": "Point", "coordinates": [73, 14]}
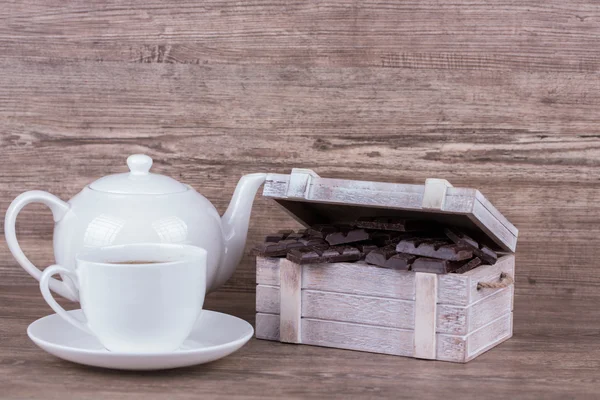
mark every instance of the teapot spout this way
{"type": "Point", "coordinates": [235, 225]}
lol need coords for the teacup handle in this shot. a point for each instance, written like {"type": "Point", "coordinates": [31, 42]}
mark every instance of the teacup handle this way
{"type": "Point", "coordinates": [59, 209]}
{"type": "Point", "coordinates": [45, 289]}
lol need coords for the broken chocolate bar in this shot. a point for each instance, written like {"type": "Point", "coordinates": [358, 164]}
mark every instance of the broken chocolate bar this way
{"type": "Point", "coordinates": [460, 238]}
{"type": "Point", "coordinates": [287, 240]}
{"type": "Point", "coordinates": [314, 255]}
{"type": "Point", "coordinates": [321, 230]}
{"type": "Point", "coordinates": [474, 263]}
{"type": "Point", "coordinates": [346, 235]}
{"type": "Point", "coordinates": [435, 248]}
{"type": "Point", "coordinates": [387, 257]}
{"type": "Point", "coordinates": [394, 224]}
{"type": "Point", "coordinates": [277, 249]}
{"type": "Point", "coordinates": [280, 235]}
{"type": "Point", "coordinates": [382, 238]}
{"type": "Point", "coordinates": [338, 234]}
{"type": "Point", "coordinates": [437, 266]}
{"type": "Point", "coordinates": [365, 247]}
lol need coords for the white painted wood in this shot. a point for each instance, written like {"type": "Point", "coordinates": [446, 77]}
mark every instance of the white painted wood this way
{"type": "Point", "coordinates": [458, 320]}
{"type": "Point", "coordinates": [299, 183]}
{"type": "Point", "coordinates": [462, 348]}
{"type": "Point", "coordinates": [352, 278]}
{"type": "Point", "coordinates": [468, 321]}
{"type": "Point", "coordinates": [425, 315]}
{"type": "Point", "coordinates": [364, 310]}
{"type": "Point", "coordinates": [267, 299]}
{"type": "Point", "coordinates": [492, 227]}
{"type": "Point", "coordinates": [345, 335]}
{"type": "Point", "coordinates": [290, 302]}
{"type": "Point", "coordinates": [267, 326]}
{"type": "Point", "coordinates": [497, 214]}
{"type": "Point", "coordinates": [464, 203]}
{"type": "Point", "coordinates": [489, 308]}
{"type": "Point", "coordinates": [390, 340]}
{"type": "Point", "coordinates": [488, 273]}
{"type": "Point", "coordinates": [367, 310]}
{"type": "Point", "coordinates": [267, 271]}
{"type": "Point", "coordinates": [434, 194]}
{"type": "Point", "coordinates": [461, 289]}
{"type": "Point", "coordinates": [489, 336]}
{"type": "Point", "coordinates": [454, 289]}
{"type": "Point", "coordinates": [359, 278]}
{"type": "Point", "coordinates": [451, 347]}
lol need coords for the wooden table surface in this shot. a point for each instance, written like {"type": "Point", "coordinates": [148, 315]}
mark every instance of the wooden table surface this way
{"type": "Point", "coordinates": [499, 96]}
{"type": "Point", "coordinates": [554, 354]}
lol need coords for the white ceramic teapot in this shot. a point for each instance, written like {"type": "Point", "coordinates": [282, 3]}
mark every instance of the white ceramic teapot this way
{"type": "Point", "coordinates": [139, 207]}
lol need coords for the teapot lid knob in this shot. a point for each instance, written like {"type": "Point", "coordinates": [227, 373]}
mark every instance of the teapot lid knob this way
{"type": "Point", "coordinates": [139, 164]}
{"type": "Point", "coordinates": [139, 180]}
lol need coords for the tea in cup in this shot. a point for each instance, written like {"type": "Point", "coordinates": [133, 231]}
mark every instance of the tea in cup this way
{"type": "Point", "coordinates": [142, 298]}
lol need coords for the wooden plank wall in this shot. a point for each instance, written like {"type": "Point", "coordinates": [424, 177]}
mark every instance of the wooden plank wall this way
{"type": "Point", "coordinates": [502, 96]}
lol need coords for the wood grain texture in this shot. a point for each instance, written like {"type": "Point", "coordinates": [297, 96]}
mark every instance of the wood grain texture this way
{"type": "Point", "coordinates": [546, 332]}
{"type": "Point", "coordinates": [462, 320]}
{"type": "Point", "coordinates": [391, 313]}
{"type": "Point", "coordinates": [290, 302]}
{"type": "Point", "coordinates": [359, 278]}
{"type": "Point", "coordinates": [363, 279]}
{"type": "Point", "coordinates": [419, 328]}
{"type": "Point", "coordinates": [465, 348]}
{"type": "Point", "coordinates": [311, 199]}
{"type": "Point", "coordinates": [502, 97]}
{"type": "Point", "coordinates": [344, 335]}
{"type": "Point", "coordinates": [426, 290]}
{"type": "Point", "coordinates": [461, 289]}
{"type": "Point", "coordinates": [268, 299]}
{"type": "Point", "coordinates": [358, 309]}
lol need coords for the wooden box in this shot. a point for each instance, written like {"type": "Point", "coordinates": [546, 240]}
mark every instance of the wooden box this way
{"type": "Point", "coordinates": [452, 317]}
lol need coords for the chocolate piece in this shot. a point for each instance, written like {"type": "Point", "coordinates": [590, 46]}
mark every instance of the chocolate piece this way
{"type": "Point", "coordinates": [387, 257]}
{"type": "Point", "coordinates": [321, 230]}
{"type": "Point", "coordinates": [277, 249]}
{"type": "Point", "coordinates": [401, 261]}
{"type": "Point", "coordinates": [474, 263]}
{"type": "Point", "coordinates": [437, 266]}
{"type": "Point", "coordinates": [280, 235]}
{"type": "Point", "coordinates": [365, 248]}
{"type": "Point", "coordinates": [380, 256]}
{"type": "Point", "coordinates": [435, 248]}
{"type": "Point", "coordinates": [394, 224]}
{"type": "Point", "coordinates": [346, 235]}
{"type": "Point", "coordinates": [386, 238]}
{"type": "Point", "coordinates": [278, 244]}
{"type": "Point", "coordinates": [312, 241]}
{"type": "Point", "coordinates": [314, 255]}
{"type": "Point", "coordinates": [482, 251]}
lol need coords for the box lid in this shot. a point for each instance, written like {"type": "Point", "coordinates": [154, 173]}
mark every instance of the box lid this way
{"type": "Point", "coordinates": [311, 199]}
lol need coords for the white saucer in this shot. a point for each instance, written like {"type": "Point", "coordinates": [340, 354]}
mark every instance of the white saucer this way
{"type": "Point", "coordinates": [214, 336]}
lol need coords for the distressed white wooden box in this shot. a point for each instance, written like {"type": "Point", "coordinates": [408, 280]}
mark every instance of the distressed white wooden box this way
{"type": "Point", "coordinates": [363, 307]}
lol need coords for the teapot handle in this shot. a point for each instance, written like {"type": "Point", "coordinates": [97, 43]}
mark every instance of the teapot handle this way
{"type": "Point", "coordinates": [59, 208]}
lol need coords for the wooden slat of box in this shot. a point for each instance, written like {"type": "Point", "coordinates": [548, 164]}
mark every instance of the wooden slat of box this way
{"type": "Point", "coordinates": [363, 307]}
{"type": "Point", "coordinates": [309, 199]}
{"type": "Point", "coordinates": [363, 279]}
{"type": "Point", "coordinates": [377, 339]}
{"type": "Point", "coordinates": [351, 278]}
{"type": "Point", "coordinates": [466, 347]}
{"type": "Point", "coordinates": [343, 319]}
{"type": "Point", "coordinates": [390, 313]}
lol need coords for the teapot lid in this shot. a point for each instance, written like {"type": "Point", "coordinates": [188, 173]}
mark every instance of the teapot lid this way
{"type": "Point", "coordinates": [138, 180]}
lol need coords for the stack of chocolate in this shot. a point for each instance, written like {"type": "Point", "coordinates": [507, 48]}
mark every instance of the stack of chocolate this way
{"type": "Point", "coordinates": [420, 246]}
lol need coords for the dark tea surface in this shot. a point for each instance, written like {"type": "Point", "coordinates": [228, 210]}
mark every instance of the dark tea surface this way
{"type": "Point", "coordinates": [133, 262]}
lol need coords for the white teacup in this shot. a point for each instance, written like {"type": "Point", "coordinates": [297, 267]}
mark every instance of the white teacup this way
{"type": "Point", "coordinates": [147, 307]}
